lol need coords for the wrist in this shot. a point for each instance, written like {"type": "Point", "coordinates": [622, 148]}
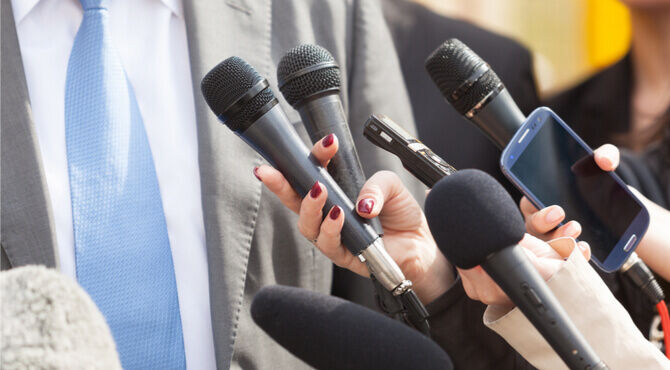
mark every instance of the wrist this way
{"type": "Point", "coordinates": [437, 279]}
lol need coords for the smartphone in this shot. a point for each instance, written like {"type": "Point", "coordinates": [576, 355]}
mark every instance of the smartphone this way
{"type": "Point", "coordinates": [416, 157]}
{"type": "Point", "coordinates": [551, 165]}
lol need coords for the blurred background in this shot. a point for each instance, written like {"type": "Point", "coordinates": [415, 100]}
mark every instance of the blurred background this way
{"type": "Point", "coordinates": [570, 39]}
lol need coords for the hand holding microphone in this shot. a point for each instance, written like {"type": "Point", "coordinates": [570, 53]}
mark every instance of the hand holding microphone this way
{"type": "Point", "coordinates": [475, 222]}
{"type": "Point", "coordinates": [244, 102]}
{"type": "Point", "coordinates": [406, 234]}
{"type": "Point", "coordinates": [546, 257]}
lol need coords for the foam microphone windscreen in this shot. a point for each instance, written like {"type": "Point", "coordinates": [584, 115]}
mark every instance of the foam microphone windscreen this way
{"type": "Point", "coordinates": [305, 71]}
{"type": "Point", "coordinates": [472, 216]}
{"type": "Point", "coordinates": [49, 322]}
{"type": "Point", "coordinates": [330, 333]}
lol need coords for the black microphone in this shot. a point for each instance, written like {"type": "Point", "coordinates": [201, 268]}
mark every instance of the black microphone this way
{"type": "Point", "coordinates": [331, 333]}
{"type": "Point", "coordinates": [476, 222]}
{"type": "Point", "coordinates": [475, 91]}
{"type": "Point", "coordinates": [244, 102]}
{"type": "Point", "coordinates": [309, 79]}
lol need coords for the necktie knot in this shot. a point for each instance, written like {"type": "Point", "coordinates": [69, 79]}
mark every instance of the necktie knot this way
{"type": "Point", "coordinates": [93, 4]}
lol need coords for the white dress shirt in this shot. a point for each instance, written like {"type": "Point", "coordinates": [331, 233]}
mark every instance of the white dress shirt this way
{"type": "Point", "coordinates": [150, 37]}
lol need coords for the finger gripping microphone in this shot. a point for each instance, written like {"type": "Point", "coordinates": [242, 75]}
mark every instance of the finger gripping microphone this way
{"type": "Point", "coordinates": [309, 79]}
{"type": "Point", "coordinates": [476, 222]}
{"type": "Point", "coordinates": [475, 91]}
{"type": "Point", "coordinates": [330, 333]}
{"type": "Point", "coordinates": [244, 102]}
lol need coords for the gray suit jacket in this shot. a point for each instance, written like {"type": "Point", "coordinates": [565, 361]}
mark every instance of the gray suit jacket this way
{"type": "Point", "coordinates": [251, 238]}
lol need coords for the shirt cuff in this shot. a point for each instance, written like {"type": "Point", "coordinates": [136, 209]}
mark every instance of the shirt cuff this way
{"type": "Point", "coordinates": [599, 317]}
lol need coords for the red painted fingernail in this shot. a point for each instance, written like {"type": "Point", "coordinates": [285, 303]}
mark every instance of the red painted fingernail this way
{"type": "Point", "coordinates": [334, 213]}
{"type": "Point", "coordinates": [328, 140]}
{"type": "Point", "coordinates": [316, 190]}
{"type": "Point", "coordinates": [256, 174]}
{"type": "Point", "coordinates": [366, 205]}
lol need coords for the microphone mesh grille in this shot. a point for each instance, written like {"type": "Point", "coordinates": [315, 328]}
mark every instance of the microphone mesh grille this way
{"type": "Point", "coordinates": [226, 83]}
{"type": "Point", "coordinates": [450, 65]}
{"type": "Point", "coordinates": [295, 89]}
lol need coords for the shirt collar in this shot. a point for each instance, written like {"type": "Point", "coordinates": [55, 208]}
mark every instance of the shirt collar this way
{"type": "Point", "coordinates": [21, 8]}
{"type": "Point", "coordinates": [175, 6]}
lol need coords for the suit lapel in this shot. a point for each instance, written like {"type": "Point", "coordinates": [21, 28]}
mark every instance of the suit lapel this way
{"type": "Point", "coordinates": [28, 235]}
{"type": "Point", "coordinates": [230, 193]}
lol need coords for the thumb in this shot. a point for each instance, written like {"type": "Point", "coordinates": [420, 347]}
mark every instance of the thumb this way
{"type": "Point", "coordinates": [376, 191]}
{"type": "Point", "coordinates": [384, 195]}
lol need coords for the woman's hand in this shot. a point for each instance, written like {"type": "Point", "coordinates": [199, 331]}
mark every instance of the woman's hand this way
{"type": "Point", "coordinates": [542, 224]}
{"type": "Point", "coordinates": [406, 235]}
{"type": "Point", "coordinates": [546, 257]}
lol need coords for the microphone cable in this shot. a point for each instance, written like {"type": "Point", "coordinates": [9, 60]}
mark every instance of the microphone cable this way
{"type": "Point", "coordinates": [665, 324]}
{"type": "Point", "coordinates": [405, 307]}
{"type": "Point", "coordinates": [638, 272]}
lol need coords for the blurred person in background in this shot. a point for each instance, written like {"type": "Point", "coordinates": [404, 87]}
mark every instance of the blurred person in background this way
{"type": "Point", "coordinates": [628, 104]}
{"type": "Point", "coordinates": [417, 31]}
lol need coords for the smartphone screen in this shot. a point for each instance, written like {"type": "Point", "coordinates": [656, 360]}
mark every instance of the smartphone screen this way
{"type": "Point", "coordinates": [552, 167]}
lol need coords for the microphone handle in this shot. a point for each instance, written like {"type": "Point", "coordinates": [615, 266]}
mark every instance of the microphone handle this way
{"type": "Point", "coordinates": [513, 272]}
{"type": "Point", "coordinates": [325, 115]}
{"type": "Point", "coordinates": [277, 141]}
{"type": "Point", "coordinates": [499, 118]}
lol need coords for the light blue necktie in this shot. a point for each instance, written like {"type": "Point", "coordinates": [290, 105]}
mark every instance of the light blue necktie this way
{"type": "Point", "coordinates": [122, 249]}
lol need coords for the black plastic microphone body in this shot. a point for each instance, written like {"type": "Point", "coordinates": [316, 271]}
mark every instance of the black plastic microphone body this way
{"type": "Point", "coordinates": [324, 115]}
{"type": "Point", "coordinates": [498, 118]}
{"type": "Point", "coordinates": [309, 79]}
